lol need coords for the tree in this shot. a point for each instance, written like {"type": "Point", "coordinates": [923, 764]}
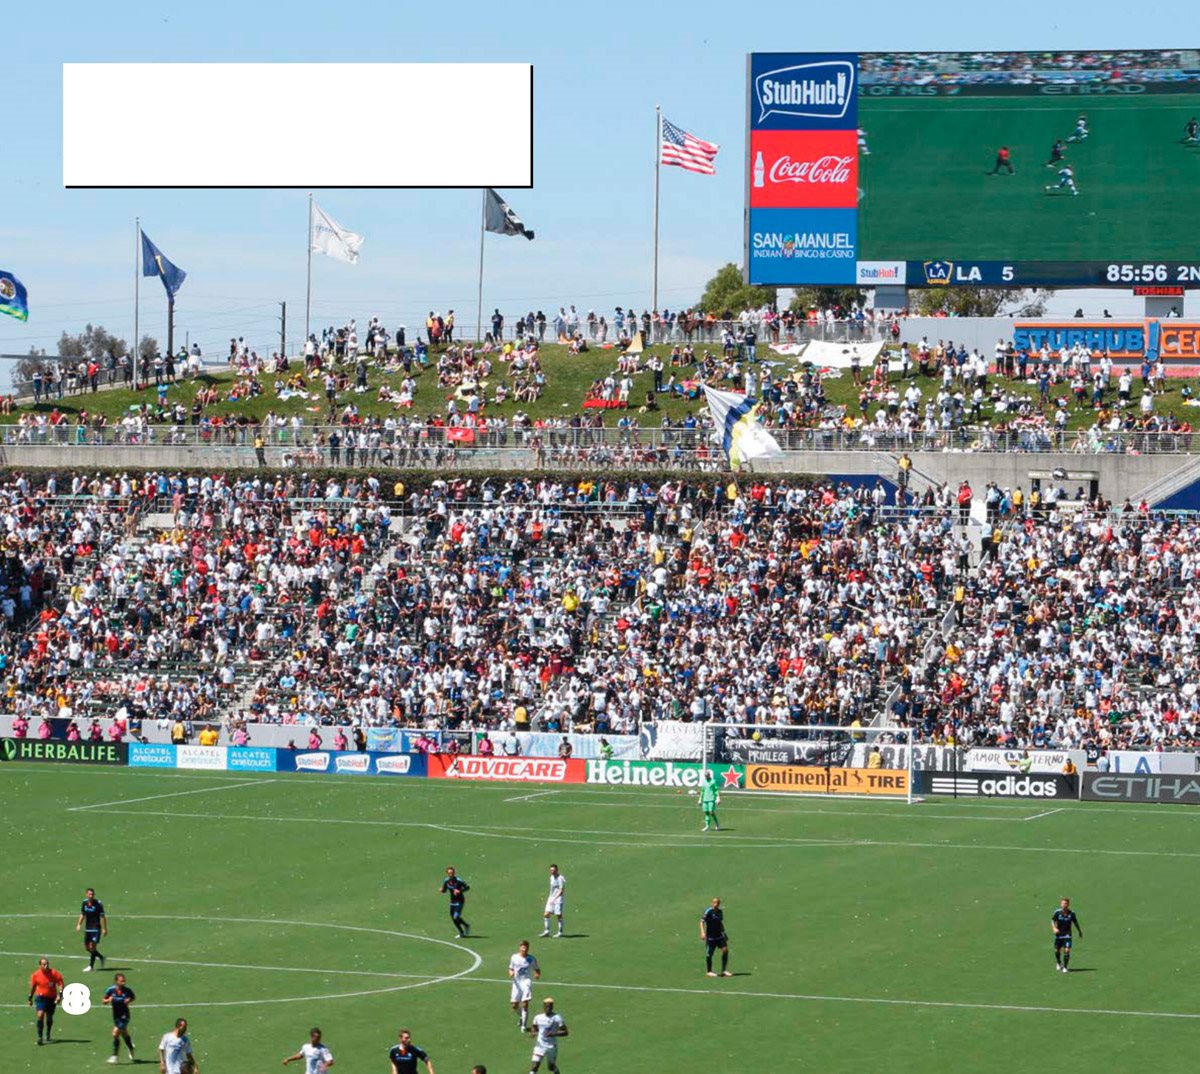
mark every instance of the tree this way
{"type": "Point", "coordinates": [148, 347]}
{"type": "Point", "coordinates": [94, 341]}
{"type": "Point", "coordinates": [34, 361]}
{"type": "Point", "coordinates": [978, 302]}
{"type": "Point", "coordinates": [839, 299]}
{"type": "Point", "coordinates": [727, 291]}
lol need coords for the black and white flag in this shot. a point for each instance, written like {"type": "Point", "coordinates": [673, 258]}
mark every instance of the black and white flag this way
{"type": "Point", "coordinates": [498, 217]}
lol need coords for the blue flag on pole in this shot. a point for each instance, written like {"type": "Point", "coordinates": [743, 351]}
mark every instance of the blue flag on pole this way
{"type": "Point", "coordinates": [155, 263]}
{"type": "Point", "coordinates": [14, 300]}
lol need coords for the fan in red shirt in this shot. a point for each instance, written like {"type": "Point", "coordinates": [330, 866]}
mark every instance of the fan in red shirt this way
{"type": "Point", "coordinates": [45, 986]}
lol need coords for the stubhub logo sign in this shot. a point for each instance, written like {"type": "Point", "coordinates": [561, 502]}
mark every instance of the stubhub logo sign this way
{"type": "Point", "coordinates": [803, 91]}
{"type": "Point", "coordinates": [803, 246]}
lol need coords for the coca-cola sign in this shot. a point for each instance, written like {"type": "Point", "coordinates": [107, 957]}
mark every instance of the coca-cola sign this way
{"type": "Point", "coordinates": [826, 169]}
{"type": "Point", "coordinates": [803, 169]}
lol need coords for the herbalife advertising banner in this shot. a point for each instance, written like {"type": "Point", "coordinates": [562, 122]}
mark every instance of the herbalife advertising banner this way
{"type": "Point", "coordinates": [30, 749]}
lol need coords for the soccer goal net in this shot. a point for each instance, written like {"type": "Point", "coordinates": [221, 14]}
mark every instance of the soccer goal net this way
{"type": "Point", "coordinates": [843, 762]}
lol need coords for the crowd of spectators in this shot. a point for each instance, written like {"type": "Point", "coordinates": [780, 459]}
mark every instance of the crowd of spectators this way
{"type": "Point", "coordinates": [593, 605]}
{"type": "Point", "coordinates": [1026, 68]}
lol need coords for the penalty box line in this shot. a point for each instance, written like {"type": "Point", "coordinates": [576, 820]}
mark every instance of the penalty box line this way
{"type": "Point", "coordinates": [877, 1000]}
{"type": "Point", "coordinates": [716, 840]}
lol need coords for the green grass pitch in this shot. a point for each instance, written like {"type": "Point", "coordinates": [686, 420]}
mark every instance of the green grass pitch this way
{"type": "Point", "coordinates": [866, 936]}
{"type": "Point", "coordinates": [927, 194]}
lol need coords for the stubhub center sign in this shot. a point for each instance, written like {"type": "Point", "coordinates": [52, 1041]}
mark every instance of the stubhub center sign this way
{"type": "Point", "coordinates": [803, 90]}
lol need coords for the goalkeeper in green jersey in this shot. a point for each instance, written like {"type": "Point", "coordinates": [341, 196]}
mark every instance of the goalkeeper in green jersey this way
{"type": "Point", "coordinates": [708, 801]}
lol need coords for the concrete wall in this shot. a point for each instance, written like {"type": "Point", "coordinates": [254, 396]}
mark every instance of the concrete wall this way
{"type": "Point", "coordinates": [1121, 476]}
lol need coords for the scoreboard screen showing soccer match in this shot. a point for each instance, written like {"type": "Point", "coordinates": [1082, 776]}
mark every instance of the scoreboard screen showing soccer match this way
{"type": "Point", "coordinates": [1018, 169]}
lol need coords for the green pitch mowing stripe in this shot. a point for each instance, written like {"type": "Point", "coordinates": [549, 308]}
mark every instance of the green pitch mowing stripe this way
{"type": "Point", "coordinates": [865, 936]}
{"type": "Point", "coordinates": [927, 193]}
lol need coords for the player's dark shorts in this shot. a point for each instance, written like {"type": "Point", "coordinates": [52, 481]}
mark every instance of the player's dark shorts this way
{"type": "Point", "coordinates": [44, 1003]}
{"type": "Point", "coordinates": [91, 936]}
{"type": "Point", "coordinates": [1062, 941]}
{"type": "Point", "coordinates": [715, 943]}
{"type": "Point", "coordinates": [120, 1021]}
{"type": "Point", "coordinates": [456, 909]}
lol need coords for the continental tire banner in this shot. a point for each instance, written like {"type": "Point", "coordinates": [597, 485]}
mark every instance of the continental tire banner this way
{"type": "Point", "coordinates": [36, 749]}
{"type": "Point", "coordinates": [507, 769]}
{"type": "Point", "coordinates": [806, 780]}
{"type": "Point", "coordinates": [1130, 787]}
{"type": "Point", "coordinates": [968, 785]}
{"type": "Point", "coordinates": [679, 774]}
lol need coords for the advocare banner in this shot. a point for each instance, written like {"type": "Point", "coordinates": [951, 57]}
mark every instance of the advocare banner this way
{"type": "Point", "coordinates": [35, 749]}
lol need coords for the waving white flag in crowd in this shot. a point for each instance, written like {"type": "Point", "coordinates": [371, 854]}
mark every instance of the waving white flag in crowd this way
{"type": "Point", "coordinates": [737, 427]}
{"type": "Point", "coordinates": [329, 237]}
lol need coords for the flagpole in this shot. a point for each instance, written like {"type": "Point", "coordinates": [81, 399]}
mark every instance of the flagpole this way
{"type": "Point", "coordinates": [308, 292]}
{"type": "Point", "coordinates": [137, 291]}
{"type": "Point", "coordinates": [482, 231]}
{"type": "Point", "coordinates": [657, 173]}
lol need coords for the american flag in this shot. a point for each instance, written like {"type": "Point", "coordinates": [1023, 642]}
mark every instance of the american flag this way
{"type": "Point", "coordinates": [687, 151]}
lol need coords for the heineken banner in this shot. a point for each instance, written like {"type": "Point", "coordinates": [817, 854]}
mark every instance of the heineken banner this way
{"type": "Point", "coordinates": [678, 774]}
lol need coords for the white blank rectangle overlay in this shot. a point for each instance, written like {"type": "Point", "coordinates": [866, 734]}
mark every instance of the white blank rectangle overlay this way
{"type": "Point", "coordinates": [297, 124]}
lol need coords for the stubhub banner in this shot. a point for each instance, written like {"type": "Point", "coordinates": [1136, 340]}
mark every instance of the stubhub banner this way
{"type": "Point", "coordinates": [803, 91]}
{"type": "Point", "coordinates": [350, 763]}
{"type": "Point", "coordinates": [803, 246]}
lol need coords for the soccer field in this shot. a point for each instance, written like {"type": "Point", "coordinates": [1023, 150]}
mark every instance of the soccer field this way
{"type": "Point", "coordinates": [865, 936]}
{"type": "Point", "coordinates": [927, 194]}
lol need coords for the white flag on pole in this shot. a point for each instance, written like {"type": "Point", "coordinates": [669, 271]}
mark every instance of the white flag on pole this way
{"type": "Point", "coordinates": [329, 237]}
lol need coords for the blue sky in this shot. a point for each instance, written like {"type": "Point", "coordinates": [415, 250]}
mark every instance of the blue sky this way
{"type": "Point", "coordinates": [599, 73]}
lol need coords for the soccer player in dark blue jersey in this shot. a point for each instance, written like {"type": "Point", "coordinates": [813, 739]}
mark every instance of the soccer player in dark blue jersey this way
{"type": "Point", "coordinates": [1061, 921]}
{"type": "Point", "coordinates": [119, 996]}
{"type": "Point", "coordinates": [712, 932]}
{"type": "Point", "coordinates": [94, 923]}
{"type": "Point", "coordinates": [457, 888]}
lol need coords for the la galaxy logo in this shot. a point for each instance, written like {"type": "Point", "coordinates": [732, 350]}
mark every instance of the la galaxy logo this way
{"type": "Point", "coordinates": [937, 273]}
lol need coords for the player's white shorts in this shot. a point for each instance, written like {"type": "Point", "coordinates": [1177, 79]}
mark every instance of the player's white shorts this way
{"type": "Point", "coordinates": [550, 1054]}
{"type": "Point", "coordinates": [522, 990]}
{"type": "Point", "coordinates": [554, 905]}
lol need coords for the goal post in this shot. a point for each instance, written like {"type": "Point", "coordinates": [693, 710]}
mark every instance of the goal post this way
{"type": "Point", "coordinates": [817, 760]}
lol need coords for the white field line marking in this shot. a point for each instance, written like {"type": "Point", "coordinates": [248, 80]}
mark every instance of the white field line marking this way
{"type": "Point", "coordinates": [1047, 813]}
{"type": "Point", "coordinates": [743, 804]}
{"type": "Point", "coordinates": [715, 839]}
{"type": "Point", "coordinates": [530, 797]}
{"type": "Point", "coordinates": [476, 958]}
{"type": "Point", "coordinates": [30, 768]}
{"type": "Point", "coordinates": [173, 794]}
{"type": "Point", "coordinates": [716, 990]}
{"type": "Point", "coordinates": [121, 959]}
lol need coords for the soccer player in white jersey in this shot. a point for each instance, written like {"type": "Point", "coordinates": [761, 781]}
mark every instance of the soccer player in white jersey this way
{"type": "Point", "coordinates": [549, 1027]}
{"type": "Point", "coordinates": [175, 1051]}
{"type": "Point", "coordinates": [523, 968]}
{"type": "Point", "coordinates": [862, 143]}
{"type": "Point", "coordinates": [554, 902]}
{"type": "Point", "coordinates": [1081, 130]}
{"type": "Point", "coordinates": [1066, 181]}
{"type": "Point", "coordinates": [317, 1058]}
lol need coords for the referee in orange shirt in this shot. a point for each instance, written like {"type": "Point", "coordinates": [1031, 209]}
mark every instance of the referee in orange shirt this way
{"type": "Point", "coordinates": [45, 987]}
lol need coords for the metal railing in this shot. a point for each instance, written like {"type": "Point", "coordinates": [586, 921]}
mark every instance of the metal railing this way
{"type": "Point", "coordinates": [417, 438]}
